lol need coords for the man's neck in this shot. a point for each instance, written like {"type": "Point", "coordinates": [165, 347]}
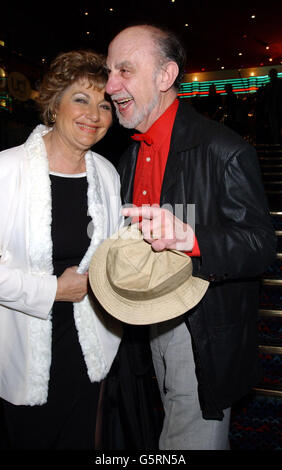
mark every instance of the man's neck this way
{"type": "Point", "coordinates": [166, 99]}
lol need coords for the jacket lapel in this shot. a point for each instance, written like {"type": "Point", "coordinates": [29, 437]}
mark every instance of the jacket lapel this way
{"type": "Point", "coordinates": [39, 203]}
{"type": "Point", "coordinates": [96, 211]}
{"type": "Point", "coordinates": [126, 170]}
{"type": "Point", "coordinates": [172, 170]}
{"type": "Point", "coordinates": [39, 251]}
{"type": "Point", "coordinates": [182, 139]}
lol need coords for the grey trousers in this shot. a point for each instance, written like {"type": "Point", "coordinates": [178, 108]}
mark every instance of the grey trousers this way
{"type": "Point", "coordinates": [184, 428]}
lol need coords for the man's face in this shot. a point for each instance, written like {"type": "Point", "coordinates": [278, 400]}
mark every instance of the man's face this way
{"type": "Point", "coordinates": [134, 78]}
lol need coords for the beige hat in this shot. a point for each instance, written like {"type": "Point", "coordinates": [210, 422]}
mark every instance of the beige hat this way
{"type": "Point", "coordinates": [139, 286]}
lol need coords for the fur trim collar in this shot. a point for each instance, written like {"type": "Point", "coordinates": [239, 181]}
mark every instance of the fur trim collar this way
{"type": "Point", "coordinates": [40, 261]}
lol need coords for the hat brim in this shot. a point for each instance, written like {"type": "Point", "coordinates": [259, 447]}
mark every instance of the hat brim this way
{"type": "Point", "coordinates": [144, 312]}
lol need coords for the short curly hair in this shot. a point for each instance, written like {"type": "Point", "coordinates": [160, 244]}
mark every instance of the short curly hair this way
{"type": "Point", "coordinates": [67, 68]}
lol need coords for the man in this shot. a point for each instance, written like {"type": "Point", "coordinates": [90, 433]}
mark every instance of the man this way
{"type": "Point", "coordinates": [206, 359]}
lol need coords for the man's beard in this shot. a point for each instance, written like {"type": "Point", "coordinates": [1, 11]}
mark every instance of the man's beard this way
{"type": "Point", "coordinates": [139, 115]}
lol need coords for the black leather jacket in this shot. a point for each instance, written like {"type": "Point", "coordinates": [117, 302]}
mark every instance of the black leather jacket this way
{"type": "Point", "coordinates": [216, 170]}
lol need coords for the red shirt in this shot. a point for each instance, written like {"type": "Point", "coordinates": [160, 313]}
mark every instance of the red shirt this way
{"type": "Point", "coordinates": [151, 162]}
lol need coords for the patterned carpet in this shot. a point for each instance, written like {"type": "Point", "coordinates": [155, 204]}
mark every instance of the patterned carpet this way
{"type": "Point", "coordinates": [256, 424]}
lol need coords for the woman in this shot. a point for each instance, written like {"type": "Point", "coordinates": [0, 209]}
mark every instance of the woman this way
{"type": "Point", "coordinates": [58, 201]}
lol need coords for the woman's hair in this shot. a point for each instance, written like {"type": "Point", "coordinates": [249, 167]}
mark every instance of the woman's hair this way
{"type": "Point", "coordinates": [66, 69]}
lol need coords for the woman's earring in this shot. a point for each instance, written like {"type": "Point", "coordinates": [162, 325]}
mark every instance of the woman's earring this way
{"type": "Point", "coordinates": [53, 117]}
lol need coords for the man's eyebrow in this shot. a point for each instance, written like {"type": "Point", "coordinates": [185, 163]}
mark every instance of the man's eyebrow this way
{"type": "Point", "coordinates": [120, 65]}
{"type": "Point", "coordinates": [124, 63]}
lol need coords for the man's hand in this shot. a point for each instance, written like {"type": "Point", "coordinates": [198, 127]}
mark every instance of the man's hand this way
{"type": "Point", "coordinates": [72, 287]}
{"type": "Point", "coordinates": [161, 228]}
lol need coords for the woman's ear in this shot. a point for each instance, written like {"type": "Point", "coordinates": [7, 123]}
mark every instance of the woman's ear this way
{"type": "Point", "coordinates": [169, 72]}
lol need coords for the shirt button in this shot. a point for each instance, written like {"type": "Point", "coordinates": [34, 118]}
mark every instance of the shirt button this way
{"type": "Point", "coordinates": [148, 159]}
{"type": "Point", "coordinates": [144, 192]}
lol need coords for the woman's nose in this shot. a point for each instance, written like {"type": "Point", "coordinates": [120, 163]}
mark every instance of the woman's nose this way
{"type": "Point", "coordinates": [93, 113]}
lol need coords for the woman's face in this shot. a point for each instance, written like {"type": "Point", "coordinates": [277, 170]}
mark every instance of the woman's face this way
{"type": "Point", "coordinates": [83, 116]}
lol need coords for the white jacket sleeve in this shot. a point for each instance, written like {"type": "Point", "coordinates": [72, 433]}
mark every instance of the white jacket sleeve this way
{"type": "Point", "coordinates": [32, 294]}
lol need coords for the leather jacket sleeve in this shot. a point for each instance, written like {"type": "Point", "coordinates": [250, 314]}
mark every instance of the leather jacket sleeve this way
{"type": "Point", "coordinates": [243, 243]}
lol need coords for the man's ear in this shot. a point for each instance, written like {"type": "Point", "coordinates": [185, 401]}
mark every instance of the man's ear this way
{"type": "Point", "coordinates": [169, 72]}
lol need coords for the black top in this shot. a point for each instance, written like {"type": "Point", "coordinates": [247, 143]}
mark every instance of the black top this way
{"type": "Point", "coordinates": [69, 221]}
{"type": "Point", "coordinates": [70, 242]}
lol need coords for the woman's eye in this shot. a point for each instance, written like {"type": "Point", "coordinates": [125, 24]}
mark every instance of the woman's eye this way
{"type": "Point", "coordinates": [80, 100]}
{"type": "Point", "coordinates": [106, 106]}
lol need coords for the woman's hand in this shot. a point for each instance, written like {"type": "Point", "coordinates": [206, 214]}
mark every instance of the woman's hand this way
{"type": "Point", "coordinates": [72, 287]}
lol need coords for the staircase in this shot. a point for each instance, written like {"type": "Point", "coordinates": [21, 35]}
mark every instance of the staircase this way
{"type": "Point", "coordinates": [256, 421]}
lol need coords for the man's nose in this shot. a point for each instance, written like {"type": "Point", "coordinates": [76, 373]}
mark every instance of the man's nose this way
{"type": "Point", "coordinates": [113, 85]}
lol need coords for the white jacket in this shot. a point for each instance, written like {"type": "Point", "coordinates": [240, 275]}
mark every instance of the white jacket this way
{"type": "Point", "coordinates": [27, 285]}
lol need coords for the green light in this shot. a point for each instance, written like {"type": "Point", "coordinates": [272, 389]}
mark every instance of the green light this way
{"type": "Point", "coordinates": [240, 86]}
